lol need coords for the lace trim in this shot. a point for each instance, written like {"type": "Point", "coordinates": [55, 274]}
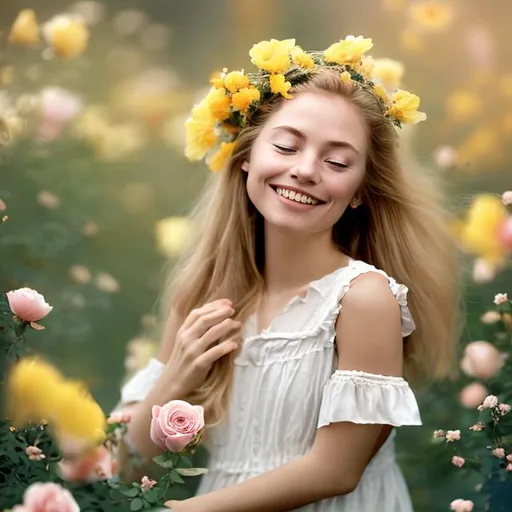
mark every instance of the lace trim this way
{"type": "Point", "coordinates": [369, 379]}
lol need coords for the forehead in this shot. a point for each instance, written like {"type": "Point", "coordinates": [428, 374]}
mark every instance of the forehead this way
{"type": "Point", "coordinates": [322, 115]}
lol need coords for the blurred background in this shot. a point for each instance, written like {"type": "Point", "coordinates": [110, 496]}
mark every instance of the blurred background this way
{"type": "Point", "coordinates": [95, 187]}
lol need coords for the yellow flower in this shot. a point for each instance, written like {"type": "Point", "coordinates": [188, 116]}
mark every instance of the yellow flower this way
{"type": "Point", "coordinates": [236, 80]}
{"type": "Point", "coordinates": [431, 15]}
{"type": "Point", "coordinates": [67, 36]}
{"type": "Point", "coordinates": [220, 158]}
{"type": "Point", "coordinates": [244, 98]}
{"type": "Point", "coordinates": [348, 51]}
{"type": "Point", "coordinates": [483, 142]}
{"type": "Point", "coordinates": [200, 134]}
{"type": "Point", "coordinates": [479, 232]}
{"type": "Point", "coordinates": [411, 40]}
{"type": "Point", "coordinates": [279, 85]}
{"type": "Point", "coordinates": [218, 104]}
{"type": "Point", "coordinates": [272, 56]}
{"type": "Point", "coordinates": [390, 72]}
{"type": "Point", "coordinates": [345, 77]}
{"type": "Point", "coordinates": [381, 93]}
{"type": "Point", "coordinates": [463, 105]}
{"type": "Point", "coordinates": [173, 235]}
{"type": "Point", "coordinates": [217, 78]}
{"type": "Point", "coordinates": [25, 29]}
{"type": "Point", "coordinates": [32, 385]}
{"type": "Point", "coordinates": [405, 107]}
{"type": "Point", "coordinates": [301, 58]}
{"type": "Point", "coordinates": [366, 67]}
{"type": "Point", "coordinates": [77, 414]}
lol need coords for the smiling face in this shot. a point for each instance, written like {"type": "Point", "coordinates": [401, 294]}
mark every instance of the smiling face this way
{"type": "Point", "coordinates": [308, 162]}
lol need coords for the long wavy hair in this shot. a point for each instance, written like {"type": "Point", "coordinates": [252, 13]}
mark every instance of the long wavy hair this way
{"type": "Point", "coordinates": [401, 227]}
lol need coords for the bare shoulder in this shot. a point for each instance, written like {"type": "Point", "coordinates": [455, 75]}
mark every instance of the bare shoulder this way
{"type": "Point", "coordinates": [368, 329]}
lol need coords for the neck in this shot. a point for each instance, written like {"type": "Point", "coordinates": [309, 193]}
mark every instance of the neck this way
{"type": "Point", "coordinates": [293, 260]}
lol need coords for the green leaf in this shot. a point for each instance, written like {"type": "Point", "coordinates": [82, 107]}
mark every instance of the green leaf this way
{"type": "Point", "coordinates": [131, 492]}
{"type": "Point", "coordinates": [152, 496]}
{"type": "Point", "coordinates": [164, 461]}
{"type": "Point", "coordinates": [136, 504]}
{"type": "Point", "coordinates": [176, 477]}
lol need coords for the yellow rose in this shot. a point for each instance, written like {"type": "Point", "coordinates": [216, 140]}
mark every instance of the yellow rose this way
{"type": "Point", "coordinates": [67, 36]}
{"type": "Point", "coordinates": [244, 98]}
{"type": "Point", "coordinates": [390, 72]}
{"type": "Point", "coordinates": [279, 85]}
{"type": "Point", "coordinates": [236, 80]}
{"type": "Point", "coordinates": [219, 160]}
{"type": "Point", "coordinates": [272, 56]}
{"type": "Point", "coordinates": [200, 134]}
{"type": "Point", "coordinates": [431, 14]}
{"type": "Point", "coordinates": [173, 235]}
{"type": "Point", "coordinates": [25, 29]}
{"type": "Point", "coordinates": [405, 107]}
{"type": "Point", "coordinates": [218, 104]}
{"type": "Point", "coordinates": [301, 58]}
{"type": "Point", "coordinates": [345, 77]}
{"type": "Point", "coordinates": [348, 51]}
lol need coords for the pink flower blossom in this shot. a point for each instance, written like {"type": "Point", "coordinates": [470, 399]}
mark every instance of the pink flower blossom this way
{"type": "Point", "coordinates": [500, 298]}
{"type": "Point", "coordinates": [452, 435]}
{"type": "Point", "coordinates": [439, 433]}
{"type": "Point", "coordinates": [146, 484]}
{"type": "Point", "coordinates": [461, 505]}
{"type": "Point", "coordinates": [481, 359]}
{"type": "Point", "coordinates": [34, 453]}
{"type": "Point", "coordinates": [504, 409]}
{"type": "Point", "coordinates": [490, 317]}
{"type": "Point", "coordinates": [28, 304]}
{"type": "Point", "coordinates": [477, 427]}
{"type": "Point", "coordinates": [472, 395]}
{"type": "Point", "coordinates": [176, 424]}
{"type": "Point", "coordinates": [48, 497]}
{"type": "Point", "coordinates": [509, 458]}
{"type": "Point", "coordinates": [506, 198]}
{"type": "Point", "coordinates": [490, 402]}
{"type": "Point", "coordinates": [499, 452]}
{"type": "Point", "coordinates": [509, 466]}
{"type": "Point", "coordinates": [95, 465]}
{"type": "Point", "coordinates": [458, 461]}
{"type": "Point", "coordinates": [119, 417]}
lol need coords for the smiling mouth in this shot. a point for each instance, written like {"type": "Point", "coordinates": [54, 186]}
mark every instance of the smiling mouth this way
{"type": "Point", "coordinates": [296, 197]}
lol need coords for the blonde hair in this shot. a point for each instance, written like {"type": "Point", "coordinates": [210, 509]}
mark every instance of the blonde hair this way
{"type": "Point", "coordinates": [401, 227]}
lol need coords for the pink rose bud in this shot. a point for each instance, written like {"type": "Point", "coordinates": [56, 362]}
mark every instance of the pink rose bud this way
{"type": "Point", "coordinates": [504, 409]}
{"type": "Point", "coordinates": [439, 433]}
{"type": "Point", "coordinates": [461, 505]}
{"type": "Point", "coordinates": [483, 271]}
{"type": "Point", "coordinates": [500, 298]}
{"type": "Point", "coordinates": [49, 497]}
{"type": "Point", "coordinates": [507, 198]}
{"type": "Point", "coordinates": [28, 304]}
{"type": "Point", "coordinates": [120, 417]}
{"type": "Point", "coordinates": [95, 465]}
{"type": "Point", "coordinates": [509, 466]}
{"type": "Point", "coordinates": [146, 484]}
{"type": "Point", "coordinates": [34, 453]}
{"type": "Point", "coordinates": [477, 427]}
{"type": "Point", "coordinates": [499, 452]}
{"type": "Point", "coordinates": [452, 435]}
{"type": "Point", "coordinates": [509, 458]}
{"type": "Point", "coordinates": [490, 402]}
{"type": "Point", "coordinates": [458, 461]}
{"type": "Point", "coordinates": [176, 424]}
{"type": "Point", "coordinates": [490, 317]}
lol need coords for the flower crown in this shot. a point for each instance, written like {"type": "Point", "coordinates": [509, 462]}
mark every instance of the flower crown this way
{"type": "Point", "coordinates": [215, 122]}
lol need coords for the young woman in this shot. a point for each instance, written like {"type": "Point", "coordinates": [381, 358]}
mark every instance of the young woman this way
{"type": "Point", "coordinates": [284, 321]}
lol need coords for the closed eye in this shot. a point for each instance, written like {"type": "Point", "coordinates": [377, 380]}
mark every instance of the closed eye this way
{"type": "Point", "coordinates": [337, 165]}
{"type": "Point", "coordinates": [284, 149]}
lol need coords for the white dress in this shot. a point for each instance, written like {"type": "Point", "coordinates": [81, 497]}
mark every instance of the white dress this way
{"type": "Point", "coordinates": [286, 386]}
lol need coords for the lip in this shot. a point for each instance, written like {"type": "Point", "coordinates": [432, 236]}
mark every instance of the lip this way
{"type": "Point", "coordinates": [295, 189]}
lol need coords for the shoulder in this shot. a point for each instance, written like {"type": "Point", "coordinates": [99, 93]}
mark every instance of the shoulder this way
{"type": "Point", "coordinates": [368, 328]}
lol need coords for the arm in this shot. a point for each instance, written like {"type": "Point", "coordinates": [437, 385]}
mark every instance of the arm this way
{"type": "Point", "coordinates": [342, 450]}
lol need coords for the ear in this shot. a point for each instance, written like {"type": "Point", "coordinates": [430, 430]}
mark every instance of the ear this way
{"type": "Point", "coordinates": [245, 166]}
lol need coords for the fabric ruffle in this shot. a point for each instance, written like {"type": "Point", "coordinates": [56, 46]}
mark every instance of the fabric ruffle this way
{"type": "Point", "coordinates": [360, 397]}
{"type": "Point", "coordinates": [141, 383]}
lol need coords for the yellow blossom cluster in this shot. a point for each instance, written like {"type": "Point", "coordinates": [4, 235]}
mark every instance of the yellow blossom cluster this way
{"type": "Point", "coordinates": [38, 392]}
{"type": "Point", "coordinates": [214, 123]}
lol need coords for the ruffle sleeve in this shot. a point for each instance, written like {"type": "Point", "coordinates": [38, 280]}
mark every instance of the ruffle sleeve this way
{"type": "Point", "coordinates": [141, 383]}
{"type": "Point", "coordinates": [360, 397]}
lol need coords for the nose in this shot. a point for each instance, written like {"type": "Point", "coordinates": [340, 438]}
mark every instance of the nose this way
{"type": "Point", "coordinates": [305, 171]}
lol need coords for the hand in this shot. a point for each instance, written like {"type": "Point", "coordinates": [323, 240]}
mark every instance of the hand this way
{"type": "Point", "coordinates": [207, 334]}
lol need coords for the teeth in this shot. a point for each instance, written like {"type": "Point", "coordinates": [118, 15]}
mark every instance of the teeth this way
{"type": "Point", "coordinates": [296, 196]}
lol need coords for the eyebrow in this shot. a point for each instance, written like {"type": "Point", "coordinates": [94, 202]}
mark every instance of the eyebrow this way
{"type": "Point", "coordinates": [333, 143]}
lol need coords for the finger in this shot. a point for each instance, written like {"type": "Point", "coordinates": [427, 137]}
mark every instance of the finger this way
{"type": "Point", "coordinates": [216, 352]}
{"type": "Point", "coordinates": [206, 321]}
{"type": "Point", "coordinates": [193, 316]}
{"type": "Point", "coordinates": [216, 333]}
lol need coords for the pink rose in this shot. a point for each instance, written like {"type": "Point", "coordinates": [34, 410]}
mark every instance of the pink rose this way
{"type": "Point", "coordinates": [458, 461]}
{"type": "Point", "coordinates": [461, 505]}
{"type": "Point", "coordinates": [146, 483]}
{"type": "Point", "coordinates": [48, 497]}
{"type": "Point", "coordinates": [473, 395]}
{"type": "Point", "coordinates": [94, 465]}
{"type": "Point", "coordinates": [500, 298]}
{"type": "Point", "coordinates": [34, 453]}
{"type": "Point", "coordinates": [507, 198]}
{"type": "Point", "coordinates": [504, 409]}
{"type": "Point", "coordinates": [490, 402]}
{"type": "Point", "coordinates": [28, 304]}
{"type": "Point", "coordinates": [452, 435]}
{"type": "Point", "coordinates": [176, 424]}
{"type": "Point", "coordinates": [499, 452]}
{"type": "Point", "coordinates": [481, 360]}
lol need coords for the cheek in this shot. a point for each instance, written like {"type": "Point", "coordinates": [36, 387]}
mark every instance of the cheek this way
{"type": "Point", "coordinates": [345, 186]}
